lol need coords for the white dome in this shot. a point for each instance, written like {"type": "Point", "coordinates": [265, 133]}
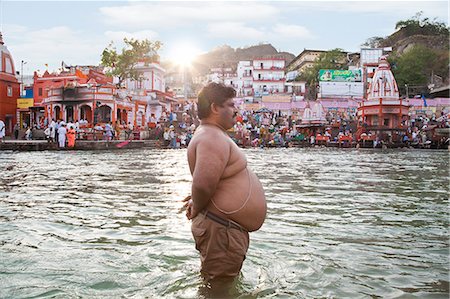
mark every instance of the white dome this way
{"type": "Point", "coordinates": [5, 56]}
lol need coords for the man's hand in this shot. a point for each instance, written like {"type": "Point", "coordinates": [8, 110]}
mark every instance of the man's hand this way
{"type": "Point", "coordinates": [188, 206]}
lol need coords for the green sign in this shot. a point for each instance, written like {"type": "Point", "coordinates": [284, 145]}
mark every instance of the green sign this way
{"type": "Point", "coordinates": [340, 75]}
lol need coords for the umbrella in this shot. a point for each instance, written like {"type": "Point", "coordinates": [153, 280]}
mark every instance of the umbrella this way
{"type": "Point", "coordinates": [263, 110]}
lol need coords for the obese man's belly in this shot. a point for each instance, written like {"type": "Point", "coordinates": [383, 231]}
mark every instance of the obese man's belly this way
{"type": "Point", "coordinates": [241, 198]}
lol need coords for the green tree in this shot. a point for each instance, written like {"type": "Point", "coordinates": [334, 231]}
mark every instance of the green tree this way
{"type": "Point", "coordinates": [335, 59]}
{"type": "Point", "coordinates": [374, 42]}
{"type": "Point", "coordinates": [415, 66]}
{"type": "Point", "coordinates": [123, 65]}
{"type": "Point", "coordinates": [422, 25]}
{"type": "Point", "coordinates": [413, 26]}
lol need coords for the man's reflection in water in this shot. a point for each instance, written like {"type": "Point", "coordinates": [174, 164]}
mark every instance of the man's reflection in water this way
{"type": "Point", "coordinates": [229, 287]}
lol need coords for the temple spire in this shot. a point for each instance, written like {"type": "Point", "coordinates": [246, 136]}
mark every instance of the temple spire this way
{"type": "Point", "coordinates": [383, 84]}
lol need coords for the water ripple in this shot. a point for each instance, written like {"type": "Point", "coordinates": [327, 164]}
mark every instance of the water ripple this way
{"type": "Point", "coordinates": [342, 223]}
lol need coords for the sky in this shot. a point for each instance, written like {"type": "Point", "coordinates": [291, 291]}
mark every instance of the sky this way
{"type": "Point", "coordinates": [76, 32]}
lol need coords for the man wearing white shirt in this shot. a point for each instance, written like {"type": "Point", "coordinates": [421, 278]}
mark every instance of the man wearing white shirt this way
{"type": "Point", "coordinates": [52, 127]}
{"type": "Point", "coordinates": [2, 130]}
{"type": "Point", "coordinates": [62, 131]}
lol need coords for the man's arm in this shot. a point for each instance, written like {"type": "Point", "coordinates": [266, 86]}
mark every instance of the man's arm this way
{"type": "Point", "coordinates": [212, 155]}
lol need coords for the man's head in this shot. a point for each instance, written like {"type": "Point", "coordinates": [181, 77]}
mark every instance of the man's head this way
{"type": "Point", "coordinates": [213, 93]}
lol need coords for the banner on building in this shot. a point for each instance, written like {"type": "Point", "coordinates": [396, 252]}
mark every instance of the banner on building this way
{"type": "Point", "coordinates": [25, 103]}
{"type": "Point", "coordinates": [276, 98]}
{"type": "Point", "coordinates": [341, 89]}
{"type": "Point", "coordinates": [340, 75]}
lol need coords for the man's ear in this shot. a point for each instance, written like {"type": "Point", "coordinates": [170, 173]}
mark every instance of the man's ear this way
{"type": "Point", "coordinates": [214, 108]}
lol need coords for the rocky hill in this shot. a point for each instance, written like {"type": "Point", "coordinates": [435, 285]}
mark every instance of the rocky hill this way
{"type": "Point", "coordinates": [226, 56]}
{"type": "Point", "coordinates": [401, 42]}
{"type": "Point", "coordinates": [430, 35]}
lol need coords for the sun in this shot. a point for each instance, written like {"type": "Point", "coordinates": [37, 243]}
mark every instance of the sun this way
{"type": "Point", "coordinates": [183, 54]}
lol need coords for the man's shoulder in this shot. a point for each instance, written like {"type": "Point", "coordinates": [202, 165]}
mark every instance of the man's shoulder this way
{"type": "Point", "coordinates": [208, 132]}
{"type": "Point", "coordinates": [209, 135]}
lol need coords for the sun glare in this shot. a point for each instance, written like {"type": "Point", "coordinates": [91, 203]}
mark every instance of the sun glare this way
{"type": "Point", "coordinates": [183, 54]}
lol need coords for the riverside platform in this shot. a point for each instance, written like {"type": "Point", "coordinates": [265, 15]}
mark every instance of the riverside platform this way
{"type": "Point", "coordinates": [43, 145]}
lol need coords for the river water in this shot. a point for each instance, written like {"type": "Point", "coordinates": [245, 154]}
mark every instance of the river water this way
{"type": "Point", "coordinates": [341, 223]}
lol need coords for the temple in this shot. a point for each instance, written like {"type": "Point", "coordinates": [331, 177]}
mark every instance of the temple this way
{"type": "Point", "coordinates": [86, 93]}
{"type": "Point", "coordinates": [382, 114]}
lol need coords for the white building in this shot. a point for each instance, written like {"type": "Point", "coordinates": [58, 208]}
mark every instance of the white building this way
{"type": "Point", "coordinates": [149, 89]}
{"type": "Point", "coordinates": [245, 76]}
{"type": "Point", "coordinates": [268, 76]}
{"type": "Point", "coordinates": [152, 78]}
{"type": "Point", "coordinates": [254, 78]}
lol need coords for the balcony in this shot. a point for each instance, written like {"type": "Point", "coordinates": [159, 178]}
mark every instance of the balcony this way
{"type": "Point", "coordinates": [268, 68]}
{"type": "Point", "coordinates": [269, 80]}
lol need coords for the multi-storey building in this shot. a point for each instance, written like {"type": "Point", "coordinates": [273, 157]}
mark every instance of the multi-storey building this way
{"type": "Point", "coordinates": [303, 61]}
{"type": "Point", "coordinates": [220, 74]}
{"type": "Point", "coordinates": [268, 76]}
{"type": "Point", "coordinates": [149, 92]}
{"type": "Point", "coordinates": [9, 88]}
{"type": "Point", "coordinates": [253, 79]}
{"type": "Point", "coordinates": [298, 65]}
{"type": "Point", "coordinates": [151, 77]}
{"type": "Point", "coordinates": [245, 75]}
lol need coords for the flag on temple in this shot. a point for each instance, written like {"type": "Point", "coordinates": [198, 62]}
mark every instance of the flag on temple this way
{"type": "Point", "coordinates": [64, 65]}
{"type": "Point", "coordinates": [424, 101]}
{"type": "Point", "coordinates": [46, 65]}
{"type": "Point", "coordinates": [80, 74]}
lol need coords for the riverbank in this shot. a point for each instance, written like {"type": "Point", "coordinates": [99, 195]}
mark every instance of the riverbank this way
{"type": "Point", "coordinates": [43, 145]}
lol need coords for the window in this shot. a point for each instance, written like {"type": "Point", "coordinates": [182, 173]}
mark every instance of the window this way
{"type": "Point", "coordinates": [40, 92]}
{"type": "Point", "coordinates": [386, 122]}
{"type": "Point", "coordinates": [375, 120]}
{"type": "Point", "coordinates": [9, 91]}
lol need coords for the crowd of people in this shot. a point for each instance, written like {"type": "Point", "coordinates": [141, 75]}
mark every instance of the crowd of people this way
{"type": "Point", "coordinates": [262, 128]}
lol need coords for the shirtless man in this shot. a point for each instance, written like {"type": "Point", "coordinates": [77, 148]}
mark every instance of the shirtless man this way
{"type": "Point", "coordinates": [227, 200]}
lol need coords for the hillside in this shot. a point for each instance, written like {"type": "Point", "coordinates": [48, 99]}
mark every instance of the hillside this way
{"type": "Point", "coordinates": [401, 42]}
{"type": "Point", "coordinates": [420, 53]}
{"type": "Point", "coordinates": [226, 56]}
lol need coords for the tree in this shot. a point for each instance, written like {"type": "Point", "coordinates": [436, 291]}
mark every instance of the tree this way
{"type": "Point", "coordinates": [123, 65]}
{"type": "Point", "coordinates": [425, 26]}
{"type": "Point", "coordinates": [333, 59]}
{"type": "Point", "coordinates": [416, 25]}
{"type": "Point", "coordinates": [374, 42]}
{"type": "Point", "coordinates": [415, 66]}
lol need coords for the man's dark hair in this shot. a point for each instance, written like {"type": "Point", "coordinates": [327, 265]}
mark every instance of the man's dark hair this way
{"type": "Point", "coordinates": [216, 93]}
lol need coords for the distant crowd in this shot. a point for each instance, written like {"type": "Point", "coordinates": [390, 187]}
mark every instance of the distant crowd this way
{"type": "Point", "coordinates": [262, 128]}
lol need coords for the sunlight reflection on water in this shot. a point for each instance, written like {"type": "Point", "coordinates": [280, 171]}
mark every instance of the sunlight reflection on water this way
{"type": "Point", "coordinates": [341, 223]}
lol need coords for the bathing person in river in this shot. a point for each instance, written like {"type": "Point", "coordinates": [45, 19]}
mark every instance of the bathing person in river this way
{"type": "Point", "coordinates": [227, 200]}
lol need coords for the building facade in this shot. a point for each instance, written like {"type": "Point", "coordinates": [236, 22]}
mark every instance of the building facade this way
{"type": "Point", "coordinates": [86, 93]}
{"type": "Point", "coordinates": [9, 88]}
{"type": "Point", "coordinates": [268, 76]}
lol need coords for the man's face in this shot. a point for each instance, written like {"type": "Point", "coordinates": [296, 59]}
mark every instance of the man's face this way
{"type": "Point", "coordinates": [227, 114]}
